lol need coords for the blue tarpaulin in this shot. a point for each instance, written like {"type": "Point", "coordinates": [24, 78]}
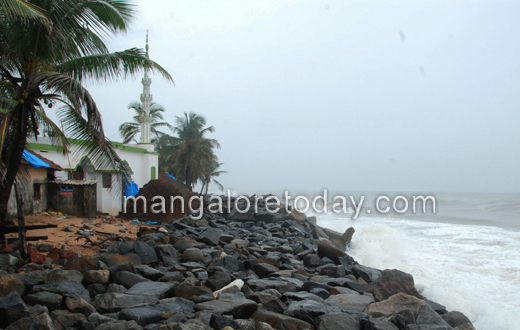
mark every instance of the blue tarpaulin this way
{"type": "Point", "coordinates": [171, 176]}
{"type": "Point", "coordinates": [34, 161]}
{"type": "Point", "coordinates": [131, 189]}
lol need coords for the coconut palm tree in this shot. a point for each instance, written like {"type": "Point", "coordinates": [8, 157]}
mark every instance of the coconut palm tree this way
{"type": "Point", "coordinates": [43, 63]}
{"type": "Point", "coordinates": [212, 171]}
{"type": "Point", "coordinates": [129, 130]}
{"type": "Point", "coordinates": [188, 153]}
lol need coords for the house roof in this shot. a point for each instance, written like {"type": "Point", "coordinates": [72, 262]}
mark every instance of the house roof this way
{"type": "Point", "coordinates": [53, 165]}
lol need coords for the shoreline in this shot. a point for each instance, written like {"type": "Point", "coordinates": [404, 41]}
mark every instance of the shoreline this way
{"type": "Point", "coordinates": [236, 270]}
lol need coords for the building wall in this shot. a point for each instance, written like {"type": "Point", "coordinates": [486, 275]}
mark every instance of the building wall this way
{"type": "Point", "coordinates": [140, 157]}
{"type": "Point", "coordinates": [30, 205]}
{"type": "Point", "coordinates": [82, 202]}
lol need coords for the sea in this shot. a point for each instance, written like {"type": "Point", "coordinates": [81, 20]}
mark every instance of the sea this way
{"type": "Point", "coordinates": [465, 256]}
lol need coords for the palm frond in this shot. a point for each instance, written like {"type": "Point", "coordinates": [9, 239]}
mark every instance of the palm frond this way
{"type": "Point", "coordinates": [111, 67]}
{"type": "Point", "coordinates": [24, 10]}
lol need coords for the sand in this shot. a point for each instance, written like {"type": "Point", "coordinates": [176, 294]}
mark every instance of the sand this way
{"type": "Point", "coordinates": [57, 236]}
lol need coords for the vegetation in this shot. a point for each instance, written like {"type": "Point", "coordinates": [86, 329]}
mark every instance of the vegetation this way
{"type": "Point", "coordinates": [48, 48]}
{"type": "Point", "coordinates": [189, 155]}
{"type": "Point", "coordinates": [129, 130]}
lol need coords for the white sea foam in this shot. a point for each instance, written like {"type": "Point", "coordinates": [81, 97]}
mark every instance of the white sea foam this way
{"type": "Point", "coordinates": [473, 269]}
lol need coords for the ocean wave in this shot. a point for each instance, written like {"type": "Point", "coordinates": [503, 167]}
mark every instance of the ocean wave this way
{"type": "Point", "coordinates": [470, 268]}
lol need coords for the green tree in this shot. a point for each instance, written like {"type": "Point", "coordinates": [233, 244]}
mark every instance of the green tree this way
{"type": "Point", "coordinates": [129, 130]}
{"type": "Point", "coordinates": [43, 62]}
{"type": "Point", "coordinates": [188, 154]}
{"type": "Point", "coordinates": [212, 171]}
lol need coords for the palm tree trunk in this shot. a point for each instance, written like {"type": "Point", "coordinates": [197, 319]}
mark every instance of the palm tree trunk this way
{"type": "Point", "coordinates": [207, 186]}
{"type": "Point", "coordinates": [14, 159]}
{"type": "Point", "coordinates": [202, 189]}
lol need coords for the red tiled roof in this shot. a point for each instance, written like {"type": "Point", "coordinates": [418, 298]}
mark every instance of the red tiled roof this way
{"type": "Point", "coordinates": [53, 165]}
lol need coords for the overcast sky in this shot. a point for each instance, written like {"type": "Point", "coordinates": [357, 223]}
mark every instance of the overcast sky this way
{"type": "Point", "coordinates": [345, 95]}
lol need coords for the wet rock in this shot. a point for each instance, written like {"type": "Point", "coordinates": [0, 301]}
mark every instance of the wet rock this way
{"type": "Point", "coordinates": [368, 274]}
{"type": "Point", "coordinates": [116, 288]}
{"type": "Point", "coordinates": [457, 319]}
{"type": "Point", "coordinates": [309, 285]}
{"type": "Point", "coordinates": [82, 264]}
{"type": "Point", "coordinates": [341, 241]}
{"type": "Point", "coordinates": [159, 290]}
{"type": "Point", "coordinates": [12, 308]}
{"type": "Point", "coordinates": [426, 315]}
{"type": "Point", "coordinates": [141, 315]}
{"type": "Point", "coordinates": [65, 319]}
{"type": "Point", "coordinates": [313, 260]}
{"type": "Point", "coordinates": [327, 249]}
{"type": "Point", "coordinates": [394, 281]}
{"type": "Point", "coordinates": [97, 276]}
{"type": "Point", "coordinates": [9, 283]}
{"type": "Point", "coordinates": [121, 248]}
{"type": "Point", "coordinates": [379, 324]}
{"type": "Point", "coordinates": [267, 217]}
{"type": "Point", "coordinates": [342, 290]}
{"type": "Point", "coordinates": [167, 254]}
{"type": "Point", "coordinates": [210, 236]}
{"type": "Point", "coordinates": [248, 324]}
{"type": "Point", "coordinates": [33, 278]}
{"type": "Point", "coordinates": [264, 269]}
{"type": "Point", "coordinates": [307, 310]}
{"type": "Point", "coordinates": [98, 319]}
{"type": "Point", "coordinates": [120, 325]}
{"type": "Point", "coordinates": [393, 304]}
{"type": "Point", "coordinates": [229, 263]}
{"type": "Point", "coordinates": [218, 280]}
{"type": "Point", "coordinates": [322, 293]}
{"type": "Point", "coordinates": [272, 304]}
{"type": "Point", "coordinates": [192, 255]}
{"type": "Point", "coordinates": [114, 259]}
{"type": "Point", "coordinates": [239, 308]}
{"type": "Point", "coordinates": [264, 284]}
{"type": "Point", "coordinates": [302, 295]}
{"type": "Point", "coordinates": [96, 288]}
{"type": "Point", "coordinates": [189, 291]}
{"type": "Point", "coordinates": [350, 301]}
{"type": "Point", "coordinates": [79, 305]}
{"type": "Point", "coordinates": [39, 321]}
{"type": "Point", "coordinates": [440, 309]}
{"type": "Point", "coordinates": [336, 321]}
{"type": "Point", "coordinates": [218, 321]}
{"type": "Point", "coordinates": [281, 321]}
{"type": "Point", "coordinates": [402, 319]}
{"type": "Point", "coordinates": [331, 270]}
{"type": "Point", "coordinates": [296, 215]}
{"type": "Point", "coordinates": [114, 302]}
{"type": "Point", "coordinates": [145, 252]}
{"type": "Point", "coordinates": [48, 299]}
{"type": "Point", "coordinates": [242, 216]}
{"type": "Point", "coordinates": [67, 289]}
{"type": "Point", "coordinates": [60, 275]}
{"type": "Point", "coordinates": [128, 279]}
{"type": "Point", "coordinates": [149, 272]}
{"type": "Point", "coordinates": [182, 245]}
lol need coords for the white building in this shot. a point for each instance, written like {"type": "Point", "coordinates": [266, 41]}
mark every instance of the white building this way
{"type": "Point", "coordinates": [141, 158]}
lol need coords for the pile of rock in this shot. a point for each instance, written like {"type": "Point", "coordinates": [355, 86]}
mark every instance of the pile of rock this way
{"type": "Point", "coordinates": [258, 271]}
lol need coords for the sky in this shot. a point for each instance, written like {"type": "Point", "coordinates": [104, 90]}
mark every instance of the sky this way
{"type": "Point", "coordinates": [345, 95]}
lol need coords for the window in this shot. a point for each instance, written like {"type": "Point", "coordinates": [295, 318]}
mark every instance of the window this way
{"type": "Point", "coordinates": [76, 175]}
{"type": "Point", "coordinates": [107, 180]}
{"type": "Point", "coordinates": [37, 188]}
